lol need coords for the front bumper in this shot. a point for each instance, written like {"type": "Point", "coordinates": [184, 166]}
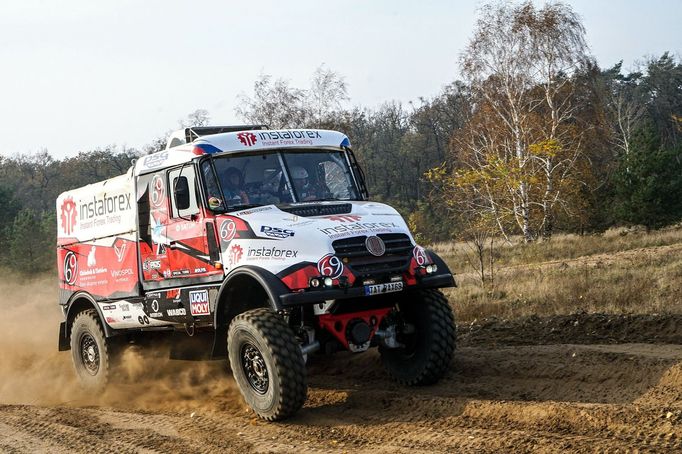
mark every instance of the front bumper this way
{"type": "Point", "coordinates": [316, 296]}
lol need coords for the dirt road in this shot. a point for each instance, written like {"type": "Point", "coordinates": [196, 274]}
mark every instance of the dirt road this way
{"type": "Point", "coordinates": [578, 383]}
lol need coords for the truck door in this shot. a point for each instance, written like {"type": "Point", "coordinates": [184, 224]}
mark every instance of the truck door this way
{"type": "Point", "coordinates": [153, 213]}
{"type": "Point", "coordinates": [190, 232]}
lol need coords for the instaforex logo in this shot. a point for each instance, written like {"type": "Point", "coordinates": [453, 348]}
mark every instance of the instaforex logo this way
{"type": "Point", "coordinates": [271, 252]}
{"type": "Point", "coordinates": [103, 206]}
{"type": "Point", "coordinates": [68, 215]}
{"type": "Point", "coordinates": [247, 138]}
{"type": "Point", "coordinates": [359, 227]}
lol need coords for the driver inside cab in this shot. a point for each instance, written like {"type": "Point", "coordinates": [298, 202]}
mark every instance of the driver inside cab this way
{"type": "Point", "coordinates": [232, 183]}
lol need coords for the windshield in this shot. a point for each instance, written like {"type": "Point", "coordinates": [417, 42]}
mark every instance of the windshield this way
{"type": "Point", "coordinates": [234, 182]}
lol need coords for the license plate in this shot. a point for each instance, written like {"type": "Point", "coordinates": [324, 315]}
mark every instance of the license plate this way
{"type": "Point", "coordinates": [383, 288]}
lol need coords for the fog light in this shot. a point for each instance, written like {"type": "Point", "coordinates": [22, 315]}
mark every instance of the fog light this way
{"type": "Point", "coordinates": [431, 268]}
{"type": "Point", "coordinates": [328, 282]}
{"type": "Point", "coordinates": [369, 282]}
{"type": "Point", "coordinates": [396, 279]}
{"type": "Point", "coordinates": [314, 282]}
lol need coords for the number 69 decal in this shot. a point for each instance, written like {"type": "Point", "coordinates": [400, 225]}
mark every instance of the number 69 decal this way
{"type": "Point", "coordinates": [70, 268]}
{"type": "Point", "coordinates": [228, 230]}
{"type": "Point", "coordinates": [330, 265]}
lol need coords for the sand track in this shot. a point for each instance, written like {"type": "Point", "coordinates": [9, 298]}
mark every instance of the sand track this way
{"type": "Point", "coordinates": [555, 386]}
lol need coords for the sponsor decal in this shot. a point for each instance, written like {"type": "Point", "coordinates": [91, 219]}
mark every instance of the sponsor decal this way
{"type": "Point", "coordinates": [180, 272]}
{"type": "Point", "coordinates": [155, 305]}
{"type": "Point", "coordinates": [120, 250]}
{"type": "Point", "coordinates": [276, 232]}
{"type": "Point", "coordinates": [198, 302]}
{"type": "Point", "coordinates": [253, 210]}
{"type": "Point", "coordinates": [68, 215]}
{"type": "Point", "coordinates": [330, 265]}
{"type": "Point", "coordinates": [70, 268]}
{"type": "Point", "coordinates": [109, 307]}
{"type": "Point", "coordinates": [173, 294]}
{"type": "Point", "coordinates": [92, 260]}
{"type": "Point", "coordinates": [228, 229]}
{"type": "Point", "coordinates": [122, 273]}
{"type": "Point", "coordinates": [157, 236]}
{"type": "Point", "coordinates": [199, 270]}
{"type": "Point", "coordinates": [273, 252]}
{"type": "Point", "coordinates": [156, 315]}
{"type": "Point", "coordinates": [176, 312]}
{"type": "Point", "coordinates": [271, 138]}
{"type": "Point", "coordinates": [420, 255]}
{"type": "Point", "coordinates": [158, 191]}
{"type": "Point", "coordinates": [110, 320]}
{"type": "Point", "coordinates": [359, 228]}
{"type": "Point", "coordinates": [235, 255]}
{"type": "Point", "coordinates": [154, 160]}
{"type": "Point", "coordinates": [104, 206]}
{"type": "Point", "coordinates": [143, 320]}
{"type": "Point", "coordinates": [151, 265]}
{"type": "Point", "coordinates": [247, 138]}
{"type": "Point", "coordinates": [128, 317]}
{"type": "Point", "coordinates": [125, 307]}
{"type": "Point", "coordinates": [167, 273]}
{"type": "Point", "coordinates": [344, 217]}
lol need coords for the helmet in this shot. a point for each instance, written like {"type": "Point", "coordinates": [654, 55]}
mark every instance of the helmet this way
{"type": "Point", "coordinates": [298, 173]}
{"type": "Point", "coordinates": [226, 177]}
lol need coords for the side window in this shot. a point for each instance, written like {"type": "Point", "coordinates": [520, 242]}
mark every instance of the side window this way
{"type": "Point", "coordinates": [187, 172]}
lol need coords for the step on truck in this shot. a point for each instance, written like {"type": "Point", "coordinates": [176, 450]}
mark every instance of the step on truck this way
{"type": "Point", "coordinates": [264, 243]}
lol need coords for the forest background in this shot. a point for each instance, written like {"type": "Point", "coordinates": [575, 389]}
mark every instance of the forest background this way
{"type": "Point", "coordinates": [534, 139]}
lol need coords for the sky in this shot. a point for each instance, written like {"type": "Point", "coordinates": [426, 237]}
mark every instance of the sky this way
{"type": "Point", "coordinates": [81, 74]}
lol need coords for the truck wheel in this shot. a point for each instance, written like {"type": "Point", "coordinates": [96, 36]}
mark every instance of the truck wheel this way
{"type": "Point", "coordinates": [426, 329]}
{"type": "Point", "coordinates": [267, 363]}
{"type": "Point", "coordinates": [90, 351]}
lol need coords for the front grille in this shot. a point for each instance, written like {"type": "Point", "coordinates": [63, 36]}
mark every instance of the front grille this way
{"type": "Point", "coordinates": [318, 210]}
{"type": "Point", "coordinates": [356, 256]}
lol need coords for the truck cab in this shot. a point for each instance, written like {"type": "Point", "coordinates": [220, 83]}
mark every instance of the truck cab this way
{"type": "Point", "coordinates": [264, 239]}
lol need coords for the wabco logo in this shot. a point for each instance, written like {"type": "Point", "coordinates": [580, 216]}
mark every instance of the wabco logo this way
{"type": "Point", "coordinates": [68, 215]}
{"type": "Point", "coordinates": [247, 138]}
{"type": "Point", "coordinates": [198, 302]}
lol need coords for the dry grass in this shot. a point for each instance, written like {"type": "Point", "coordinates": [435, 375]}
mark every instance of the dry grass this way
{"type": "Point", "coordinates": [637, 272]}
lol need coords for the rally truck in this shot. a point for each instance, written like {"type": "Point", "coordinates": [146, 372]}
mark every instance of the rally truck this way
{"type": "Point", "coordinates": [264, 244]}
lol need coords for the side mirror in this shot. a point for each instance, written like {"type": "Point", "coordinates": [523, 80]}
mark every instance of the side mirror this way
{"type": "Point", "coordinates": [181, 193]}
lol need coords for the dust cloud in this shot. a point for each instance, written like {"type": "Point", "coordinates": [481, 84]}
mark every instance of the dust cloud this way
{"type": "Point", "coordinates": [34, 372]}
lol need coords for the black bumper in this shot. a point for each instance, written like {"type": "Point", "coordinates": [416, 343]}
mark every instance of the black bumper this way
{"type": "Point", "coordinates": [316, 296]}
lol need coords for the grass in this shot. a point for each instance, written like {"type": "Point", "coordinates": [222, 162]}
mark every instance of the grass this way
{"type": "Point", "coordinates": [616, 272]}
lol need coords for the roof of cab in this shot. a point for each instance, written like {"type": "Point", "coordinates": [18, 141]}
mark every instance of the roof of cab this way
{"type": "Point", "coordinates": [241, 141]}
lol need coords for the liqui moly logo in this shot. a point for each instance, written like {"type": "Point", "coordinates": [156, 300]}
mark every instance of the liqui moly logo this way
{"type": "Point", "coordinates": [247, 138]}
{"type": "Point", "coordinates": [68, 215]}
{"type": "Point", "coordinates": [198, 302]}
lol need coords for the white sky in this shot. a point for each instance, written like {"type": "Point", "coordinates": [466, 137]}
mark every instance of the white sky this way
{"type": "Point", "coordinates": [81, 74]}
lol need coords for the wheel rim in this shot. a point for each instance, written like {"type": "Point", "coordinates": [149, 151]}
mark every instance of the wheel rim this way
{"type": "Point", "coordinates": [89, 354]}
{"type": "Point", "coordinates": [253, 365]}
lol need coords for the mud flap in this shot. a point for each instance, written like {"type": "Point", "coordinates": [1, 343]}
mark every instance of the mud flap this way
{"type": "Point", "coordinates": [64, 343]}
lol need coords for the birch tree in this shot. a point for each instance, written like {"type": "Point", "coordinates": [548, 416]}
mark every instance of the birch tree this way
{"type": "Point", "coordinates": [521, 144]}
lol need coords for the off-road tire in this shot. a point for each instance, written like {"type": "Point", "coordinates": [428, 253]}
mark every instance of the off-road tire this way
{"type": "Point", "coordinates": [278, 352]}
{"type": "Point", "coordinates": [91, 352]}
{"type": "Point", "coordinates": [427, 355]}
